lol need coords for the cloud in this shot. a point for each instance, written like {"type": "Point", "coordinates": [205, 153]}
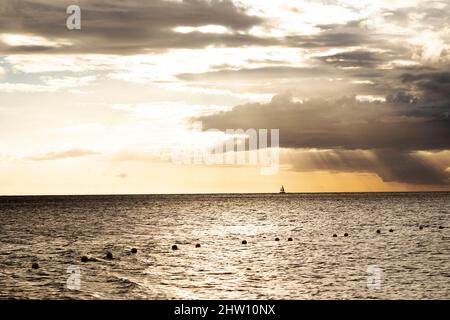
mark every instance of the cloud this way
{"type": "Point", "coordinates": [129, 27]}
{"type": "Point", "coordinates": [327, 39]}
{"type": "Point", "coordinates": [382, 137]}
{"type": "Point", "coordinates": [366, 59]}
{"type": "Point", "coordinates": [273, 72]}
{"type": "Point", "coordinates": [24, 87]}
{"type": "Point", "coordinates": [71, 153]}
{"type": "Point", "coordinates": [344, 123]}
{"type": "Point", "coordinates": [396, 53]}
{"type": "Point", "coordinates": [353, 33]}
{"type": "Point", "coordinates": [51, 84]}
{"type": "Point", "coordinates": [116, 26]}
{"type": "Point", "coordinates": [390, 165]}
{"type": "Point", "coordinates": [433, 85]}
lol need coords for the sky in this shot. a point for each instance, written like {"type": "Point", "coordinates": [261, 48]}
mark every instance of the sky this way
{"type": "Point", "coordinates": [359, 92]}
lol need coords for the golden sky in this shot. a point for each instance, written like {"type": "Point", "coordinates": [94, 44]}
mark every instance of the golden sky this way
{"type": "Point", "coordinates": [359, 91]}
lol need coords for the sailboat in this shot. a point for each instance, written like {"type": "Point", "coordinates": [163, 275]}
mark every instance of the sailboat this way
{"type": "Point", "coordinates": [282, 190]}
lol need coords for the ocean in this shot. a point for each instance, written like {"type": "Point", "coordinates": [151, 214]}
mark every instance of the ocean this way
{"type": "Point", "coordinates": [407, 259]}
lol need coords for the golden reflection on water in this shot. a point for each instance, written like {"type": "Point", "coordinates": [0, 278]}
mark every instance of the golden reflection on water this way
{"type": "Point", "coordinates": [56, 232]}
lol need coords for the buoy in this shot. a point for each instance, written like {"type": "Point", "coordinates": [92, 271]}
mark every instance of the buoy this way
{"type": "Point", "coordinates": [378, 231]}
{"type": "Point", "coordinates": [334, 235]}
{"type": "Point", "coordinates": [346, 234]}
{"type": "Point", "coordinates": [244, 241]}
{"type": "Point", "coordinates": [289, 239]}
{"type": "Point", "coordinates": [174, 247]}
{"type": "Point", "coordinates": [277, 239]}
{"type": "Point", "coordinates": [84, 259]}
{"type": "Point", "coordinates": [391, 230]}
{"type": "Point", "coordinates": [133, 250]}
{"type": "Point", "coordinates": [35, 265]}
{"type": "Point", "coordinates": [109, 255]}
{"type": "Point", "coordinates": [420, 227]}
{"type": "Point", "coordinates": [198, 245]}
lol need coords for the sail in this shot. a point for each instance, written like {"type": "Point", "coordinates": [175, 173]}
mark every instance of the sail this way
{"type": "Point", "coordinates": [282, 189]}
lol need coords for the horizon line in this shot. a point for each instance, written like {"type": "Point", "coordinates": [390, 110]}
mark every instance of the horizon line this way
{"type": "Point", "coordinates": [215, 193]}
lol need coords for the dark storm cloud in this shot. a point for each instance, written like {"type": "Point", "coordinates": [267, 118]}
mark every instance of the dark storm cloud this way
{"type": "Point", "coordinates": [390, 165]}
{"type": "Point", "coordinates": [344, 123]}
{"type": "Point", "coordinates": [126, 26]}
{"type": "Point", "coordinates": [409, 168]}
{"type": "Point", "coordinates": [414, 119]}
{"type": "Point", "coordinates": [434, 85]}
{"type": "Point", "coordinates": [437, 77]}
{"type": "Point", "coordinates": [401, 97]}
